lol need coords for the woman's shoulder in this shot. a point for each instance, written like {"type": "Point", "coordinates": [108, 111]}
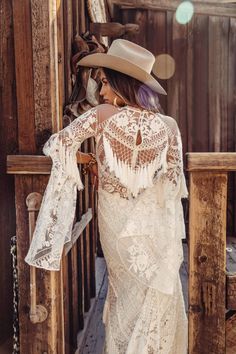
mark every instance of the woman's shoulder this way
{"type": "Point", "coordinates": [170, 122]}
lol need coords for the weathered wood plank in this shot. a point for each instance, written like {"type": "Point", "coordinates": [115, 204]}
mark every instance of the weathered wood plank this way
{"type": "Point", "coordinates": [200, 7]}
{"type": "Point", "coordinates": [189, 84]}
{"type": "Point", "coordinates": [157, 24]}
{"type": "Point", "coordinates": [231, 291]}
{"type": "Point", "coordinates": [8, 145]}
{"type": "Point", "coordinates": [30, 164]}
{"type": "Point", "coordinates": [207, 264]}
{"type": "Point", "coordinates": [113, 29]}
{"type": "Point", "coordinates": [24, 78]}
{"type": "Point", "coordinates": [61, 60]}
{"type": "Point", "coordinates": [138, 17]}
{"type": "Point", "coordinates": [68, 38]}
{"type": "Point", "coordinates": [211, 161]}
{"type": "Point", "coordinates": [86, 240]}
{"type": "Point", "coordinates": [218, 63]}
{"type": "Point", "coordinates": [41, 67]}
{"type": "Point", "coordinates": [231, 335]}
{"type": "Point", "coordinates": [200, 125]}
{"type": "Point", "coordinates": [66, 298]}
{"type": "Point", "coordinates": [179, 53]}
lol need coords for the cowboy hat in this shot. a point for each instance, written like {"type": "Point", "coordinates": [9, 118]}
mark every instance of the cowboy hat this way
{"type": "Point", "coordinates": [128, 58]}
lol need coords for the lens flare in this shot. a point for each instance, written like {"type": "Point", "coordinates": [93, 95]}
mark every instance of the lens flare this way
{"type": "Point", "coordinates": [184, 12]}
{"type": "Point", "coordinates": [164, 66]}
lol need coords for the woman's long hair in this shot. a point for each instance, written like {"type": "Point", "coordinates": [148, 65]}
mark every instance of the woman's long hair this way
{"type": "Point", "coordinates": [132, 91]}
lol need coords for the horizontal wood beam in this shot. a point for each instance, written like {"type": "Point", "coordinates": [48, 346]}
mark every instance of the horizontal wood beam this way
{"type": "Point", "coordinates": [200, 7]}
{"type": "Point", "coordinates": [211, 161]}
{"type": "Point", "coordinates": [113, 29]}
{"type": "Point", "coordinates": [30, 164]}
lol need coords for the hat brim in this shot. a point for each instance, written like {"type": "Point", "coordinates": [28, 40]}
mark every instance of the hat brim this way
{"type": "Point", "coordinates": [123, 66]}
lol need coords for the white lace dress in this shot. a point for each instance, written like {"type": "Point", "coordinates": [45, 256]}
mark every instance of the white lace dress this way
{"type": "Point", "coordinates": [141, 183]}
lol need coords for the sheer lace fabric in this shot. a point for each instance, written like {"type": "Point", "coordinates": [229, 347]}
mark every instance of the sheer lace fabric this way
{"type": "Point", "coordinates": [124, 168]}
{"type": "Point", "coordinates": [144, 310]}
{"type": "Point", "coordinates": [140, 221]}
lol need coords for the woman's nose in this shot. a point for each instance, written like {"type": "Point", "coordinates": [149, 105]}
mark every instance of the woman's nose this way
{"type": "Point", "coordinates": [102, 91]}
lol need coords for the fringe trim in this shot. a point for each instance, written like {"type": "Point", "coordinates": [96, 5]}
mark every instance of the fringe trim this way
{"type": "Point", "coordinates": [134, 179]}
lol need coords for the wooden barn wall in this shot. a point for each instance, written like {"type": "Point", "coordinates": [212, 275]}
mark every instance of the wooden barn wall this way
{"type": "Point", "coordinates": [27, 106]}
{"type": "Point", "coordinates": [8, 145]}
{"type": "Point", "coordinates": [201, 93]}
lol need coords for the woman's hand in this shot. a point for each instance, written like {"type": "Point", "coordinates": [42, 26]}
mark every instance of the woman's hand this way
{"type": "Point", "coordinates": [89, 160]}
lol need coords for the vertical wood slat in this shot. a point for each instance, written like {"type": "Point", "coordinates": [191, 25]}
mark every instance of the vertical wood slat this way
{"type": "Point", "coordinates": [41, 66]}
{"type": "Point", "coordinates": [200, 84]}
{"type": "Point", "coordinates": [214, 82]}
{"type": "Point", "coordinates": [208, 195]}
{"type": "Point", "coordinates": [75, 295]}
{"type": "Point", "coordinates": [8, 145]}
{"type": "Point", "coordinates": [232, 112]}
{"type": "Point", "coordinates": [138, 16]}
{"type": "Point", "coordinates": [189, 86]}
{"type": "Point", "coordinates": [24, 78]}
{"type": "Point", "coordinates": [179, 36]}
{"type": "Point", "coordinates": [92, 236]}
{"type": "Point", "coordinates": [66, 298]}
{"type": "Point", "coordinates": [68, 37]}
{"type": "Point", "coordinates": [157, 24]}
{"type": "Point", "coordinates": [61, 59]}
{"type": "Point", "coordinates": [86, 242]}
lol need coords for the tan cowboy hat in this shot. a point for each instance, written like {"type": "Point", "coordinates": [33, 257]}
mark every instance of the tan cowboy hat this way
{"type": "Point", "coordinates": [128, 58]}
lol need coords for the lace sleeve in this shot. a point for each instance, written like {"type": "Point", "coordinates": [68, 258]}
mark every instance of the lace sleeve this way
{"type": "Point", "coordinates": [55, 220]}
{"type": "Point", "coordinates": [174, 178]}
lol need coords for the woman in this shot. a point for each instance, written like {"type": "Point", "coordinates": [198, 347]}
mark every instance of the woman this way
{"type": "Point", "coordinates": [141, 183]}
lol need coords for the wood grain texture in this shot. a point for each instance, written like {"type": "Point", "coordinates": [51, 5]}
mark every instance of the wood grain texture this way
{"type": "Point", "coordinates": [24, 78]}
{"type": "Point", "coordinates": [231, 335]}
{"type": "Point", "coordinates": [61, 60]}
{"type": "Point", "coordinates": [8, 145]}
{"type": "Point", "coordinates": [200, 7]}
{"type": "Point", "coordinates": [68, 38]}
{"type": "Point", "coordinates": [41, 66]}
{"type": "Point", "coordinates": [139, 17]}
{"type": "Point", "coordinates": [208, 195]}
{"type": "Point", "coordinates": [200, 123]}
{"type": "Point", "coordinates": [231, 291]}
{"type": "Point", "coordinates": [157, 28]}
{"type": "Point", "coordinates": [217, 86]}
{"type": "Point", "coordinates": [31, 164]}
{"type": "Point", "coordinates": [223, 161]}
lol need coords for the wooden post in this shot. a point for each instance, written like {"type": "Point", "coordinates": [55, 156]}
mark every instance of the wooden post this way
{"type": "Point", "coordinates": [208, 197]}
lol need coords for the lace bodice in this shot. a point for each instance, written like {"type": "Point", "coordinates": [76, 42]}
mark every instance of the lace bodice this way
{"type": "Point", "coordinates": [135, 149]}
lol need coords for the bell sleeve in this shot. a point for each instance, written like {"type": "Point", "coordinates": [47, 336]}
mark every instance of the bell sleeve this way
{"type": "Point", "coordinates": [175, 173]}
{"type": "Point", "coordinates": [55, 219]}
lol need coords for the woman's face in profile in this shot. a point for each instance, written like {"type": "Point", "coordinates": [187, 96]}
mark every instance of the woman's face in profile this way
{"type": "Point", "coordinates": [106, 91]}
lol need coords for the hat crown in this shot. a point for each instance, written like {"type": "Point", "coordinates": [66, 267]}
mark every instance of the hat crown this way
{"type": "Point", "coordinates": [133, 53]}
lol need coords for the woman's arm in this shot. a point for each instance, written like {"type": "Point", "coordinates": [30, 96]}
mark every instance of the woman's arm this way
{"type": "Point", "coordinates": [55, 220]}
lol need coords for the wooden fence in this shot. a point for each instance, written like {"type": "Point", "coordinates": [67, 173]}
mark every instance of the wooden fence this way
{"type": "Point", "coordinates": [52, 304]}
{"type": "Point", "coordinates": [36, 81]}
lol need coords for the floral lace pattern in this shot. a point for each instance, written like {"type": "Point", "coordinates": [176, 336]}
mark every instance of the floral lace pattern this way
{"type": "Point", "coordinates": [125, 169]}
{"type": "Point", "coordinates": [140, 221]}
{"type": "Point", "coordinates": [144, 310]}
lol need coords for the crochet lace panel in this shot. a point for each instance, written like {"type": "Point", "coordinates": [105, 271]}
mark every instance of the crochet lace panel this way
{"type": "Point", "coordinates": [123, 166]}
